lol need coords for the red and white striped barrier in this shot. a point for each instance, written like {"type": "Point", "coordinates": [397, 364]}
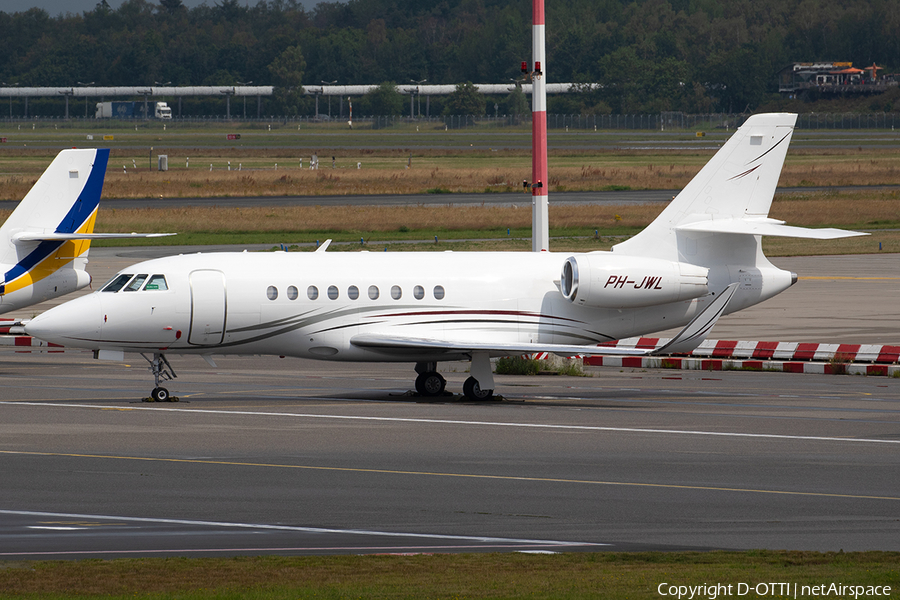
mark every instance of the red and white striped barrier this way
{"type": "Point", "coordinates": [792, 357]}
{"type": "Point", "coordinates": [11, 336]}
{"type": "Point", "coordinates": [26, 343]}
{"type": "Point", "coordinates": [711, 355]}
{"type": "Point", "coordinates": [7, 324]}
{"type": "Point", "coordinates": [783, 351]}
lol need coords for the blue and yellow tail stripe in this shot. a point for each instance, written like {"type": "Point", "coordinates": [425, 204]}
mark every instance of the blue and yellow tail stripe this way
{"type": "Point", "coordinates": [50, 256]}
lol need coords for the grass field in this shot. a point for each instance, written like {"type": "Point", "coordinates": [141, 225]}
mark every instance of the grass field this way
{"type": "Point", "coordinates": [574, 228]}
{"type": "Point", "coordinates": [457, 576]}
{"type": "Point", "coordinates": [390, 173]}
{"type": "Point", "coordinates": [401, 160]}
{"type": "Point", "coordinates": [866, 209]}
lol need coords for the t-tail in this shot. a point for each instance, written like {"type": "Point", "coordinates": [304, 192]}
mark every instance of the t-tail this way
{"type": "Point", "coordinates": [718, 220]}
{"type": "Point", "coordinates": [45, 241]}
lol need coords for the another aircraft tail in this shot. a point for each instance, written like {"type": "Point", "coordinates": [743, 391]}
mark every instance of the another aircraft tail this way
{"type": "Point", "coordinates": [63, 201]}
{"type": "Point", "coordinates": [45, 242]}
{"type": "Point", "coordinates": [44, 234]}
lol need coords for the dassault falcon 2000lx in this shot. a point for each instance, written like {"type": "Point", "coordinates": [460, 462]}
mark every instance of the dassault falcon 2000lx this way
{"type": "Point", "coordinates": [45, 241]}
{"type": "Point", "coordinates": [700, 258]}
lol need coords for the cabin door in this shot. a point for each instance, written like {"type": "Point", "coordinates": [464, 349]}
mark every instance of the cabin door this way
{"type": "Point", "coordinates": [207, 308]}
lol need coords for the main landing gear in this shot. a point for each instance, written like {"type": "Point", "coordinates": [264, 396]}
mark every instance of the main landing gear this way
{"type": "Point", "coordinates": [161, 369]}
{"type": "Point", "coordinates": [472, 390]}
{"type": "Point", "coordinates": [429, 382]}
{"type": "Point", "coordinates": [480, 386]}
{"type": "Point", "coordinates": [477, 388]}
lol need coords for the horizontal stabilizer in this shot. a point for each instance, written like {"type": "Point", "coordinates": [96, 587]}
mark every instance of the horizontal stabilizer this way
{"type": "Point", "coordinates": [771, 227]}
{"type": "Point", "coordinates": [26, 237]}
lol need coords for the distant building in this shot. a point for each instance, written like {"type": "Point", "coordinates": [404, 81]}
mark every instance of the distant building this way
{"type": "Point", "coordinates": [833, 78]}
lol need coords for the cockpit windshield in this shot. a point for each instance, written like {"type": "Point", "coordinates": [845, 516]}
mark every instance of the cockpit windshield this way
{"type": "Point", "coordinates": [116, 283]}
{"type": "Point", "coordinates": [136, 283]}
{"type": "Point", "coordinates": [155, 283]}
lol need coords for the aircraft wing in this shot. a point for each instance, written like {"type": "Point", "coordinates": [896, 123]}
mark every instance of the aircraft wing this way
{"type": "Point", "coordinates": [687, 339]}
{"type": "Point", "coordinates": [395, 342]}
{"type": "Point", "coordinates": [25, 236]}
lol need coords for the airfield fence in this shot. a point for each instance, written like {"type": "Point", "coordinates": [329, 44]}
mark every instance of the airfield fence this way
{"type": "Point", "coordinates": [669, 121]}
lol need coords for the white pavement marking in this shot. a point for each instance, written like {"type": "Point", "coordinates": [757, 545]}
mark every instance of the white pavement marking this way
{"type": "Point", "coordinates": [471, 423]}
{"type": "Point", "coordinates": [258, 526]}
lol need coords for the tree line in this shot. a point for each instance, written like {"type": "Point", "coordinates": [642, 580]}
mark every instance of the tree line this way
{"type": "Point", "coordinates": [696, 56]}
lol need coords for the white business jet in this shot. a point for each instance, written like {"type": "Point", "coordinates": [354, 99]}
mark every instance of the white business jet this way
{"type": "Point", "coordinates": [45, 241]}
{"type": "Point", "coordinates": [700, 258]}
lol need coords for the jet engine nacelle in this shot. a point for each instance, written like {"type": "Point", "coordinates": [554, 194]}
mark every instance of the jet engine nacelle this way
{"type": "Point", "coordinates": [604, 280]}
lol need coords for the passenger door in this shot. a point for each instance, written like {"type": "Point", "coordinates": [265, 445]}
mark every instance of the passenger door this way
{"type": "Point", "coordinates": [208, 308]}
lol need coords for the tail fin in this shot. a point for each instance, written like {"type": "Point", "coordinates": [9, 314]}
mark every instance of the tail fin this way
{"type": "Point", "coordinates": [737, 183]}
{"type": "Point", "coordinates": [731, 194]}
{"type": "Point", "coordinates": [63, 201]}
{"type": "Point", "coordinates": [45, 242]}
{"type": "Point", "coordinates": [718, 220]}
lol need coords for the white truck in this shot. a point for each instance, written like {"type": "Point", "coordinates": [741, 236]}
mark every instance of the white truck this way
{"type": "Point", "coordinates": [163, 111]}
{"type": "Point", "coordinates": [131, 110]}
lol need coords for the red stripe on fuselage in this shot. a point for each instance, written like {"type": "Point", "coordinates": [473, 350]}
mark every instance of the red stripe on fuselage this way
{"type": "Point", "coordinates": [475, 312]}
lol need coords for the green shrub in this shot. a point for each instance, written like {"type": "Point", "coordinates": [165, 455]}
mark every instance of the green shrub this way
{"type": "Point", "coordinates": [517, 365]}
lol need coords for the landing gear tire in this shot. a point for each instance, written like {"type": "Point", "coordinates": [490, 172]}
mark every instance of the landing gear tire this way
{"type": "Point", "coordinates": [473, 391]}
{"type": "Point", "coordinates": [160, 394]}
{"type": "Point", "coordinates": [161, 370]}
{"type": "Point", "coordinates": [430, 384]}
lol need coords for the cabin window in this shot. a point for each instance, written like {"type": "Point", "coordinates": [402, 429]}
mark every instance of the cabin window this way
{"type": "Point", "coordinates": [292, 293]}
{"type": "Point", "coordinates": [116, 283]}
{"type": "Point", "coordinates": [272, 292]}
{"type": "Point", "coordinates": [438, 292]}
{"type": "Point", "coordinates": [156, 283]}
{"type": "Point", "coordinates": [353, 292]}
{"type": "Point", "coordinates": [136, 283]}
{"type": "Point", "coordinates": [373, 292]}
{"type": "Point", "coordinates": [396, 292]}
{"type": "Point", "coordinates": [333, 292]}
{"type": "Point", "coordinates": [418, 292]}
{"type": "Point", "coordinates": [312, 292]}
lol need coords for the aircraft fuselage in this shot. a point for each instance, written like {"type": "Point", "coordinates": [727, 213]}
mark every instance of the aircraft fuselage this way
{"type": "Point", "coordinates": [312, 305]}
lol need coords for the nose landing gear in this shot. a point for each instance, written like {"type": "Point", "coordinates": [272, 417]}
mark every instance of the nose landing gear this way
{"type": "Point", "coordinates": [161, 370]}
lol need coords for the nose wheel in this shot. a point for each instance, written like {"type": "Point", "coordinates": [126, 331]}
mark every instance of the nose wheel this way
{"type": "Point", "coordinates": [161, 370]}
{"type": "Point", "coordinates": [159, 394]}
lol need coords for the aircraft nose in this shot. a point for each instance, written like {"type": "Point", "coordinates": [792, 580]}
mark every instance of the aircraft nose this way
{"type": "Point", "coordinates": [75, 323]}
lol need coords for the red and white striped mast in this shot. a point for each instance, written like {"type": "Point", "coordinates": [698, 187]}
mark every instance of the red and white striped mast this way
{"type": "Point", "coordinates": [540, 226]}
